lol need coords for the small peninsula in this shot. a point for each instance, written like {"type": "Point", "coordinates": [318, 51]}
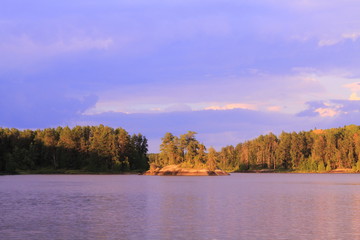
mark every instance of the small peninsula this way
{"type": "Point", "coordinates": [177, 170]}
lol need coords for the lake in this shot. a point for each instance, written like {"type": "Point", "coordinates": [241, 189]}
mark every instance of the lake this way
{"type": "Point", "coordinates": [240, 206]}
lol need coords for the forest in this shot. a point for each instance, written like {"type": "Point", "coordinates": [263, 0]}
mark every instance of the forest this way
{"type": "Point", "coordinates": [104, 149]}
{"type": "Point", "coordinates": [306, 151]}
{"type": "Point", "coordinates": [91, 149]}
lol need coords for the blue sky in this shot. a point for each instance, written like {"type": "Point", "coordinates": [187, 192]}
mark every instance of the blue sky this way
{"type": "Point", "coordinates": [229, 70]}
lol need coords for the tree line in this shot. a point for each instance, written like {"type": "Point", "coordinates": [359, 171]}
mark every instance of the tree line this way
{"type": "Point", "coordinates": [309, 151]}
{"type": "Point", "coordinates": [89, 148]}
{"type": "Point", "coordinates": [101, 148]}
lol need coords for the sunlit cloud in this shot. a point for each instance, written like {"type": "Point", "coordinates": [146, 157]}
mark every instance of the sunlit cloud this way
{"type": "Point", "coordinates": [328, 42]}
{"type": "Point", "coordinates": [105, 107]}
{"type": "Point", "coordinates": [353, 36]}
{"type": "Point", "coordinates": [354, 87]}
{"type": "Point", "coordinates": [354, 97]}
{"type": "Point", "coordinates": [327, 112]}
{"type": "Point", "coordinates": [274, 108]}
{"type": "Point", "coordinates": [233, 106]}
{"type": "Point", "coordinates": [331, 108]}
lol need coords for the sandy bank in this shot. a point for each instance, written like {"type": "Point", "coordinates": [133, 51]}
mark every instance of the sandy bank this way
{"type": "Point", "coordinates": [176, 170]}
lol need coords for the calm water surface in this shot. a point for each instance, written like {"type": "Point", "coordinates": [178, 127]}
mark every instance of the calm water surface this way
{"type": "Point", "coordinates": [240, 206]}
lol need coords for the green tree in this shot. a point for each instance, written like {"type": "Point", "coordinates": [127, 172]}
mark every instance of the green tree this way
{"type": "Point", "coordinates": [283, 154]}
{"type": "Point", "coordinates": [211, 159]}
{"type": "Point", "coordinates": [170, 150]}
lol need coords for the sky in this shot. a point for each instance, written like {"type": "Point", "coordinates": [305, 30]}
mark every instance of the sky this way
{"type": "Point", "coordinates": [229, 70]}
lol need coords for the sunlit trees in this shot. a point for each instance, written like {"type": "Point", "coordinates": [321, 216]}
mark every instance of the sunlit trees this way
{"type": "Point", "coordinates": [102, 148]}
{"type": "Point", "coordinates": [211, 159]}
{"type": "Point", "coordinates": [283, 154]}
{"type": "Point", "coordinates": [123, 149]}
{"type": "Point", "coordinates": [170, 152]}
{"type": "Point", "coordinates": [311, 151]}
{"type": "Point", "coordinates": [185, 149]}
{"type": "Point", "coordinates": [189, 147]}
{"type": "Point", "coordinates": [97, 148]}
{"type": "Point", "coordinates": [67, 149]}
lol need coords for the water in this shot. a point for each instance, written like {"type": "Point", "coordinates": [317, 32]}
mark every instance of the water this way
{"type": "Point", "coordinates": [240, 206]}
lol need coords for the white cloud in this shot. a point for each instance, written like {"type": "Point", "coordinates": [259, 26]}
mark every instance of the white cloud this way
{"type": "Point", "coordinates": [274, 108]}
{"type": "Point", "coordinates": [353, 36]}
{"type": "Point", "coordinates": [328, 42]}
{"type": "Point", "coordinates": [354, 87]}
{"type": "Point", "coordinates": [327, 112]}
{"type": "Point", "coordinates": [233, 106]}
{"type": "Point", "coordinates": [354, 97]}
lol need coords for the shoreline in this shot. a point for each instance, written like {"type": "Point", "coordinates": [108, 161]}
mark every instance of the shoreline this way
{"type": "Point", "coordinates": [334, 171]}
{"type": "Point", "coordinates": [177, 170]}
{"type": "Point", "coordinates": [143, 172]}
{"type": "Point", "coordinates": [72, 172]}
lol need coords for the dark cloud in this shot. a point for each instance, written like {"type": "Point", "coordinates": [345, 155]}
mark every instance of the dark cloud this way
{"type": "Point", "coordinates": [348, 106]}
{"type": "Point", "coordinates": [219, 128]}
{"type": "Point", "coordinates": [336, 106]}
{"type": "Point", "coordinates": [311, 109]}
{"type": "Point", "coordinates": [213, 126]}
{"type": "Point", "coordinates": [55, 53]}
{"type": "Point", "coordinates": [33, 105]}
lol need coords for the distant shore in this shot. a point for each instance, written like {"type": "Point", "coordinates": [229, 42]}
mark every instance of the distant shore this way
{"type": "Point", "coordinates": [73, 172]}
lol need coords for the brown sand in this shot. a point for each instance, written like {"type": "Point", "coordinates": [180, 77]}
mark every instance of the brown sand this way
{"type": "Point", "coordinates": [176, 170]}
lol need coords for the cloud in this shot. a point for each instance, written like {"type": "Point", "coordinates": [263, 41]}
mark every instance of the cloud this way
{"type": "Point", "coordinates": [331, 108]}
{"type": "Point", "coordinates": [221, 128]}
{"type": "Point", "coordinates": [233, 106]}
{"type": "Point", "coordinates": [326, 112]}
{"type": "Point", "coordinates": [274, 108]}
{"type": "Point", "coordinates": [353, 36]}
{"type": "Point", "coordinates": [163, 62]}
{"type": "Point", "coordinates": [178, 108]}
{"type": "Point", "coordinates": [354, 97]}
{"type": "Point", "coordinates": [354, 87]}
{"type": "Point", "coordinates": [32, 105]}
{"type": "Point", "coordinates": [244, 91]}
{"type": "Point", "coordinates": [215, 128]}
{"type": "Point", "coordinates": [328, 42]}
{"type": "Point", "coordinates": [21, 51]}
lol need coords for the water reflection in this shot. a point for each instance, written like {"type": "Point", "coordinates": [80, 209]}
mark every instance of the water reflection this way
{"type": "Point", "coordinates": [242, 206]}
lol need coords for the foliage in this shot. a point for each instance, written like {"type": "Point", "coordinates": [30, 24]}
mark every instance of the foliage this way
{"type": "Point", "coordinates": [185, 150]}
{"type": "Point", "coordinates": [101, 148]}
{"type": "Point", "coordinates": [94, 149]}
{"type": "Point", "coordinates": [307, 151]}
